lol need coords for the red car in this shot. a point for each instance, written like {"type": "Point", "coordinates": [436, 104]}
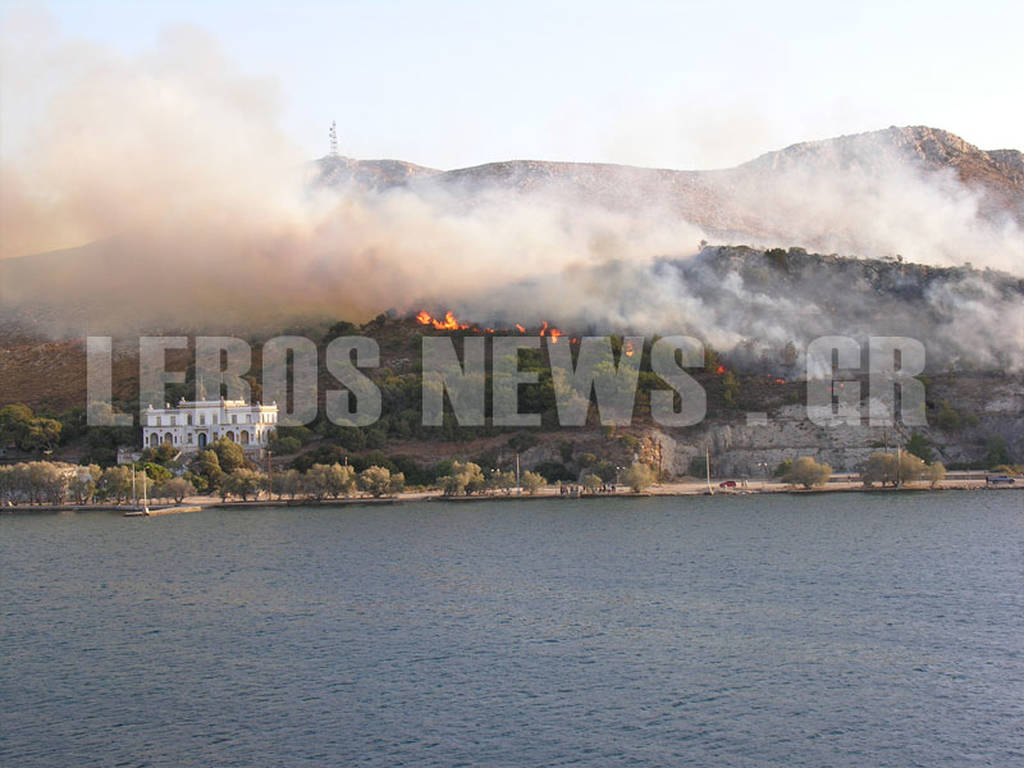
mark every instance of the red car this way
{"type": "Point", "coordinates": [727, 484]}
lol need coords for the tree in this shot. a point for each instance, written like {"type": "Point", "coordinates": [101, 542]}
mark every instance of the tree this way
{"type": "Point", "coordinates": [949, 420]}
{"type": "Point", "coordinates": [375, 480]}
{"type": "Point", "coordinates": [730, 388]}
{"type": "Point", "coordinates": [47, 481]}
{"type": "Point", "coordinates": [879, 468]}
{"type": "Point", "coordinates": [639, 477]}
{"type": "Point", "coordinates": [229, 454]}
{"type": "Point", "coordinates": [996, 452]}
{"type": "Point", "coordinates": [591, 482]}
{"type": "Point", "coordinates": [176, 488]}
{"type": "Point", "coordinates": [284, 445]}
{"type": "Point", "coordinates": [501, 481]}
{"type": "Point", "coordinates": [466, 477]}
{"type": "Point", "coordinates": [919, 445]}
{"type": "Point", "coordinates": [244, 483]}
{"type": "Point", "coordinates": [334, 480]}
{"type": "Point", "coordinates": [532, 482]}
{"type": "Point", "coordinates": [911, 467]}
{"type": "Point", "coordinates": [163, 454]}
{"type": "Point", "coordinates": [807, 472]}
{"type": "Point", "coordinates": [116, 484]}
{"type": "Point", "coordinates": [885, 468]}
{"type": "Point", "coordinates": [935, 473]}
{"type": "Point", "coordinates": [83, 485]}
{"type": "Point", "coordinates": [207, 466]}
{"type": "Point", "coordinates": [39, 435]}
{"type": "Point", "coordinates": [14, 419]}
{"type": "Point", "coordinates": [287, 483]}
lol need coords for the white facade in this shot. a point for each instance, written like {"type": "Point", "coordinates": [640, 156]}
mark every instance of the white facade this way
{"type": "Point", "coordinates": [191, 425]}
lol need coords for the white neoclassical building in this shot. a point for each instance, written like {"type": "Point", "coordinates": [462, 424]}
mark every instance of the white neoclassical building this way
{"type": "Point", "coordinates": [191, 425]}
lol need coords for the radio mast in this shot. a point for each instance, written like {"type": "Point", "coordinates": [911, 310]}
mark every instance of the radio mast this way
{"type": "Point", "coordinates": [332, 136]}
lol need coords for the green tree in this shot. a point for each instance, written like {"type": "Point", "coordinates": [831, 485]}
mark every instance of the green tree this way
{"type": "Point", "coordinates": [229, 454]}
{"type": "Point", "coordinates": [84, 483]}
{"type": "Point", "coordinates": [287, 483]}
{"type": "Point", "coordinates": [996, 451]}
{"type": "Point", "coordinates": [591, 482]}
{"type": "Point", "coordinates": [207, 466]}
{"type": "Point", "coordinates": [730, 388]}
{"type": "Point", "coordinates": [375, 480]}
{"type": "Point", "coordinates": [176, 488]}
{"type": "Point", "coordinates": [39, 435]}
{"type": "Point", "coordinates": [244, 483]}
{"type": "Point", "coordinates": [501, 481]}
{"type": "Point", "coordinates": [783, 468]}
{"type": "Point", "coordinates": [807, 472]}
{"type": "Point", "coordinates": [639, 477]}
{"type": "Point", "coordinates": [116, 484]}
{"type": "Point", "coordinates": [948, 419]}
{"type": "Point", "coordinates": [532, 482]}
{"type": "Point", "coordinates": [465, 477]}
{"type": "Point", "coordinates": [334, 480]}
{"type": "Point", "coordinates": [919, 445]}
{"type": "Point", "coordinates": [14, 421]}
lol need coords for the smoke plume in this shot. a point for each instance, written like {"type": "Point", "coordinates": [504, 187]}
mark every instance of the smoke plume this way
{"type": "Point", "coordinates": [159, 192]}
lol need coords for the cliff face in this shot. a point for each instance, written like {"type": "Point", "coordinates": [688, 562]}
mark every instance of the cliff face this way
{"type": "Point", "coordinates": [991, 407]}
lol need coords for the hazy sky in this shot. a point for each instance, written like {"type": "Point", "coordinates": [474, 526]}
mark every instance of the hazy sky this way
{"type": "Point", "coordinates": [673, 84]}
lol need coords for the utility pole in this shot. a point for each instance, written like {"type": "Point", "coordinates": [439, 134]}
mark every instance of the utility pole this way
{"type": "Point", "coordinates": [270, 474]}
{"type": "Point", "coordinates": [519, 488]}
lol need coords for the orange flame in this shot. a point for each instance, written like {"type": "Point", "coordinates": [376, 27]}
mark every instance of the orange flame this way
{"type": "Point", "coordinates": [780, 381]}
{"type": "Point", "coordinates": [555, 333]}
{"type": "Point", "coordinates": [720, 370]}
{"type": "Point", "coordinates": [520, 328]}
{"type": "Point", "coordinates": [629, 349]}
{"type": "Point", "coordinates": [544, 327]}
{"type": "Point", "coordinates": [448, 324]}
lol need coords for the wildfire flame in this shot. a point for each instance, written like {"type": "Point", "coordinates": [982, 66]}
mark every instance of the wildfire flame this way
{"type": "Point", "coordinates": [780, 381]}
{"type": "Point", "coordinates": [451, 323]}
{"type": "Point", "coordinates": [448, 324]}
{"type": "Point", "coordinates": [720, 370]}
{"type": "Point", "coordinates": [629, 349]}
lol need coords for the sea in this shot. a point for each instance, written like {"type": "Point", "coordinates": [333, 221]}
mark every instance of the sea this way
{"type": "Point", "coordinates": [832, 629]}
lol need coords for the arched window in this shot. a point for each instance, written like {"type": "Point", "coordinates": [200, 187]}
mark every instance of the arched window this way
{"type": "Point", "coordinates": [244, 437]}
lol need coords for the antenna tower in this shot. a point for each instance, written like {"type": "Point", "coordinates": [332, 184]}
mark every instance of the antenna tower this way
{"type": "Point", "coordinates": [332, 135]}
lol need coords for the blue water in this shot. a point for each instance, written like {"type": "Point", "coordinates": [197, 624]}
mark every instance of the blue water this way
{"type": "Point", "coordinates": [836, 630]}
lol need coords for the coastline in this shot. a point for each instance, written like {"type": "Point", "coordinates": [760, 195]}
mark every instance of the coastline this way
{"type": "Point", "coordinates": [677, 489]}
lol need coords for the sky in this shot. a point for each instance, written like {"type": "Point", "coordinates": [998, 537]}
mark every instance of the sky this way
{"type": "Point", "coordinates": [665, 84]}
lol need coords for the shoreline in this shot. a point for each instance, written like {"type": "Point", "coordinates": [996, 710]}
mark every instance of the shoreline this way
{"type": "Point", "coordinates": [201, 503]}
